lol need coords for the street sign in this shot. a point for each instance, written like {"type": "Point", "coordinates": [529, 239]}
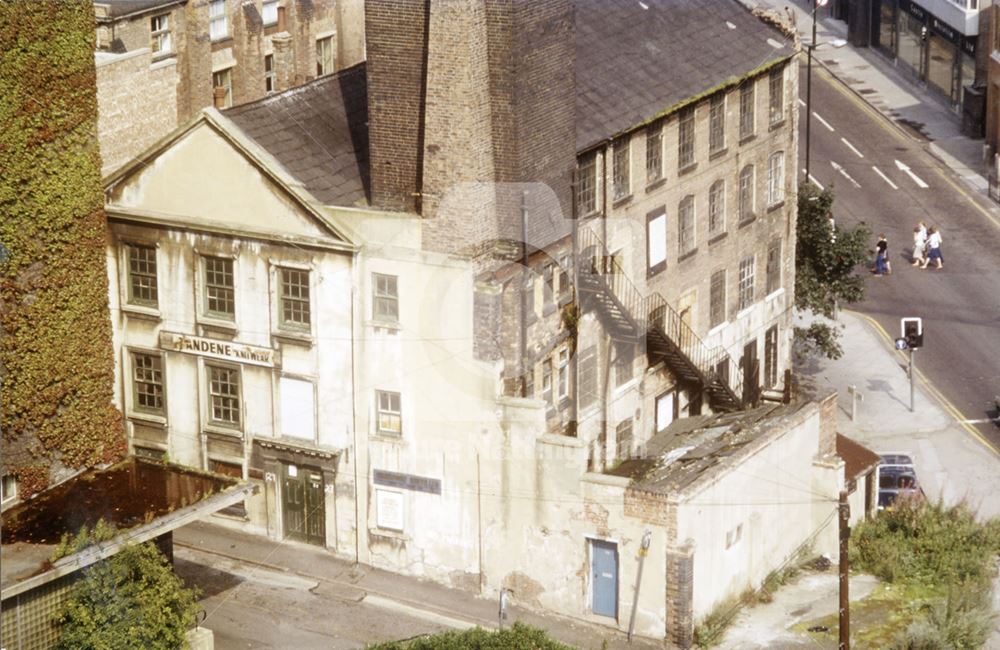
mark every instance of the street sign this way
{"type": "Point", "coordinates": [913, 331]}
{"type": "Point", "coordinates": [901, 344]}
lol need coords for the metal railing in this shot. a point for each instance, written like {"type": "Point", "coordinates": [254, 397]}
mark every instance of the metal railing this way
{"type": "Point", "coordinates": [652, 313]}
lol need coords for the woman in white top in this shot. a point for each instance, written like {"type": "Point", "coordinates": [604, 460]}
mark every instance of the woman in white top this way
{"type": "Point", "coordinates": [919, 241]}
{"type": "Point", "coordinates": [933, 248]}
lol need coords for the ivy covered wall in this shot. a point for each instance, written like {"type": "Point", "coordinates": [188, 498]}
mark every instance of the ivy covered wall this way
{"type": "Point", "coordinates": [56, 360]}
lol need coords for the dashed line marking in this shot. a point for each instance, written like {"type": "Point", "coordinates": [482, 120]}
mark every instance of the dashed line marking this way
{"type": "Point", "coordinates": [801, 103]}
{"type": "Point", "coordinates": [852, 148]}
{"type": "Point", "coordinates": [843, 172]}
{"type": "Point", "coordinates": [885, 178]}
{"type": "Point", "coordinates": [812, 179]}
{"type": "Point", "coordinates": [822, 121]}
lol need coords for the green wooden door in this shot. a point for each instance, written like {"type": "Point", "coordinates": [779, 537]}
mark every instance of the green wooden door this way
{"type": "Point", "coordinates": [303, 505]}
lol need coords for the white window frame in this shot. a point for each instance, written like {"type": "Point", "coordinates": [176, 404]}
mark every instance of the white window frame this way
{"type": "Point", "coordinates": [776, 100]}
{"type": "Point", "coordinates": [746, 193]}
{"type": "Point", "coordinates": [387, 296]}
{"type": "Point", "coordinates": [722, 299]}
{"type": "Point", "coordinates": [746, 291]}
{"type": "Point", "coordinates": [218, 22]}
{"type": "Point", "coordinates": [562, 373]}
{"type": "Point", "coordinates": [717, 207]}
{"type": "Point", "coordinates": [775, 178]}
{"type": "Point", "coordinates": [270, 78]}
{"type": "Point", "coordinates": [8, 489]}
{"type": "Point", "coordinates": [398, 412]}
{"type": "Point", "coordinates": [621, 169]}
{"type": "Point", "coordinates": [269, 12]}
{"type": "Point", "coordinates": [717, 123]}
{"type": "Point", "coordinates": [159, 35]}
{"type": "Point", "coordinates": [748, 108]}
{"type": "Point", "coordinates": [324, 55]}
{"type": "Point", "coordinates": [656, 242]}
{"type": "Point", "coordinates": [586, 185]}
{"type": "Point", "coordinates": [241, 406]}
{"type": "Point", "coordinates": [686, 232]}
{"type": "Point", "coordinates": [225, 76]}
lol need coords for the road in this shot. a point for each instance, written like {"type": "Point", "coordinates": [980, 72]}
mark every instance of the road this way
{"type": "Point", "coordinates": [884, 177]}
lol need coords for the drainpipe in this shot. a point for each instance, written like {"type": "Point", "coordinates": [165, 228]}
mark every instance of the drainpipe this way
{"type": "Point", "coordinates": [524, 298]}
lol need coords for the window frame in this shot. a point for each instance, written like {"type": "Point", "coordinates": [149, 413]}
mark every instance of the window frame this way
{"type": "Point", "coordinates": [621, 169]}
{"type": "Point", "coordinates": [773, 267]}
{"type": "Point", "coordinates": [385, 298]}
{"type": "Point", "coordinates": [389, 412]}
{"type": "Point", "coordinates": [285, 300]}
{"type": "Point", "coordinates": [210, 367]}
{"type": "Point", "coordinates": [685, 138]}
{"type": "Point", "coordinates": [717, 123]}
{"type": "Point", "coordinates": [776, 95]}
{"type": "Point", "coordinates": [562, 373]}
{"type": "Point", "coordinates": [207, 288]}
{"type": "Point", "coordinates": [132, 274]}
{"type": "Point", "coordinates": [748, 108]}
{"type": "Point", "coordinates": [746, 193]}
{"type": "Point", "coordinates": [547, 381]}
{"type": "Point", "coordinates": [775, 179]}
{"type": "Point", "coordinates": [624, 364]}
{"type": "Point", "coordinates": [159, 33]}
{"type": "Point", "coordinates": [586, 186]}
{"type": "Point", "coordinates": [588, 383]}
{"type": "Point", "coordinates": [270, 78]}
{"type": "Point", "coordinates": [624, 450]}
{"type": "Point", "coordinates": [717, 208]}
{"type": "Point", "coordinates": [686, 233]}
{"type": "Point", "coordinates": [215, 18]}
{"type": "Point", "coordinates": [746, 282]}
{"type": "Point", "coordinates": [224, 79]}
{"type": "Point", "coordinates": [136, 382]}
{"type": "Point", "coordinates": [8, 494]}
{"type": "Point", "coordinates": [325, 63]}
{"type": "Point", "coordinates": [266, 8]}
{"type": "Point", "coordinates": [654, 152]}
{"type": "Point", "coordinates": [652, 268]}
{"type": "Point", "coordinates": [717, 299]}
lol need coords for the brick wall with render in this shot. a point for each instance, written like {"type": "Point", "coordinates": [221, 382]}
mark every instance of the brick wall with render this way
{"type": "Point", "coordinates": [129, 121]}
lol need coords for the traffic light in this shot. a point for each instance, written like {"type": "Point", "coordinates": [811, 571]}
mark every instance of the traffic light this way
{"type": "Point", "coordinates": [913, 332]}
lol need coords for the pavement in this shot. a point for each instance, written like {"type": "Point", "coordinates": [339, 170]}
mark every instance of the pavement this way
{"type": "Point", "coordinates": [301, 596]}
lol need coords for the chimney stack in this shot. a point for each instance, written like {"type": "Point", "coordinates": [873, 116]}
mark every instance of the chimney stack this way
{"type": "Point", "coordinates": [281, 18]}
{"type": "Point", "coordinates": [219, 97]}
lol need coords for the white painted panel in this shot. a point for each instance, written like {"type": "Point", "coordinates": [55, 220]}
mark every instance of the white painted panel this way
{"type": "Point", "coordinates": [297, 411]}
{"type": "Point", "coordinates": [389, 509]}
{"type": "Point", "coordinates": [664, 411]}
{"type": "Point", "coordinates": [657, 240]}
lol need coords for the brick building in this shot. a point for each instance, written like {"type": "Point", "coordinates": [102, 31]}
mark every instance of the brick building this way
{"type": "Point", "coordinates": [550, 255]}
{"type": "Point", "coordinates": [160, 61]}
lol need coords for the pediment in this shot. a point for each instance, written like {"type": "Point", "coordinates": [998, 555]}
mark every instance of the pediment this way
{"type": "Point", "coordinates": [203, 177]}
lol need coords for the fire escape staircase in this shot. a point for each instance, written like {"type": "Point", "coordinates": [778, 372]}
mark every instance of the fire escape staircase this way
{"type": "Point", "coordinates": [631, 317]}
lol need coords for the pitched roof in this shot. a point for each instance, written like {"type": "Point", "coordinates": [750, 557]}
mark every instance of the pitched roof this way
{"type": "Point", "coordinates": [120, 8]}
{"type": "Point", "coordinates": [318, 132]}
{"type": "Point", "coordinates": [857, 458]}
{"type": "Point", "coordinates": [637, 58]}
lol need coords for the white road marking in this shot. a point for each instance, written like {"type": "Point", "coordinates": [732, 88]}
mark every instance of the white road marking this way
{"type": "Point", "coordinates": [916, 179]}
{"type": "Point", "coordinates": [801, 103]}
{"type": "Point", "coordinates": [822, 121]}
{"type": "Point", "coordinates": [815, 182]}
{"type": "Point", "coordinates": [885, 178]}
{"type": "Point", "coordinates": [852, 148]}
{"type": "Point", "coordinates": [982, 421]}
{"type": "Point", "coordinates": [843, 172]}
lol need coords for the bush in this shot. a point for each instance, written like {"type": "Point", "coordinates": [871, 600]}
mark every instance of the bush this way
{"type": "Point", "coordinates": [517, 637]}
{"type": "Point", "coordinates": [132, 600]}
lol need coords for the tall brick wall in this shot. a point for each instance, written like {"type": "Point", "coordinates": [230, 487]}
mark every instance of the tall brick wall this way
{"type": "Point", "coordinates": [680, 596]}
{"type": "Point", "coordinates": [128, 120]}
{"type": "Point", "coordinates": [396, 32]}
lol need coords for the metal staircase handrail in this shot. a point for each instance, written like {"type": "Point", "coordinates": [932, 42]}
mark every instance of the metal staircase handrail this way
{"type": "Point", "coordinates": [654, 311]}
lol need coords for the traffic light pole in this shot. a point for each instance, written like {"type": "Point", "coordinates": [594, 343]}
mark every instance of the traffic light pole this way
{"type": "Point", "coordinates": [911, 380]}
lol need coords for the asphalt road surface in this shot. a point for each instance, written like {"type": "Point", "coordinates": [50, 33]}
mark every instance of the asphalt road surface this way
{"type": "Point", "coordinates": [883, 176]}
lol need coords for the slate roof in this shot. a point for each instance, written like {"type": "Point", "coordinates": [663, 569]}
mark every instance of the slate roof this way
{"type": "Point", "coordinates": [318, 132]}
{"type": "Point", "coordinates": [858, 459]}
{"type": "Point", "coordinates": [119, 8]}
{"type": "Point", "coordinates": [632, 62]}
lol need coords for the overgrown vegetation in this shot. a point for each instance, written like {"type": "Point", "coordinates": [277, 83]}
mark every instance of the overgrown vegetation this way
{"type": "Point", "coordinates": [942, 551]}
{"type": "Point", "coordinates": [516, 637]}
{"type": "Point", "coordinates": [826, 258]}
{"type": "Point", "coordinates": [131, 601]}
{"type": "Point", "coordinates": [70, 544]}
{"type": "Point", "coordinates": [56, 362]}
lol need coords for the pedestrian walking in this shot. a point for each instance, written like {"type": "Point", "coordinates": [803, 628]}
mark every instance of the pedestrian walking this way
{"type": "Point", "coordinates": [919, 243]}
{"type": "Point", "coordinates": [882, 256]}
{"type": "Point", "coordinates": [934, 248]}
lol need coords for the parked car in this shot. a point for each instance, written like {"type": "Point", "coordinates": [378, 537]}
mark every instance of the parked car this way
{"type": "Point", "coordinates": [896, 475]}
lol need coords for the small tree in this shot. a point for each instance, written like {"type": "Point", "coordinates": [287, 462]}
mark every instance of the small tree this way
{"type": "Point", "coordinates": [825, 262]}
{"type": "Point", "coordinates": [132, 600]}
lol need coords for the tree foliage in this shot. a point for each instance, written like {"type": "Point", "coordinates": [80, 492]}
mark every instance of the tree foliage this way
{"type": "Point", "coordinates": [56, 360]}
{"type": "Point", "coordinates": [516, 637]}
{"type": "Point", "coordinates": [131, 601]}
{"type": "Point", "coordinates": [826, 259]}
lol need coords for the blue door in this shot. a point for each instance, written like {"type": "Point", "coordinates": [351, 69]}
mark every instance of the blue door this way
{"type": "Point", "coordinates": [604, 577]}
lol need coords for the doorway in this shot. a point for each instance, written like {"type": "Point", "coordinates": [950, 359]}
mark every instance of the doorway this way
{"type": "Point", "coordinates": [604, 578]}
{"type": "Point", "coordinates": [303, 505]}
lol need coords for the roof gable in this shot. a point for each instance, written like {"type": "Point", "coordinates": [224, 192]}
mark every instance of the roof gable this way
{"type": "Point", "coordinates": [200, 176]}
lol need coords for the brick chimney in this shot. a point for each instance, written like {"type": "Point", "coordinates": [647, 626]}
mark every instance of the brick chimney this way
{"type": "Point", "coordinates": [471, 92]}
{"type": "Point", "coordinates": [219, 97]}
{"type": "Point", "coordinates": [284, 55]}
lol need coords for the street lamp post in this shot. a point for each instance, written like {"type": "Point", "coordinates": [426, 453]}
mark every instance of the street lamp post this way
{"type": "Point", "coordinates": [809, 69]}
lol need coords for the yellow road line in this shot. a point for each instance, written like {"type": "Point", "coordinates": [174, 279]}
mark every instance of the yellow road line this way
{"type": "Point", "coordinates": [894, 128]}
{"type": "Point", "coordinates": [935, 393]}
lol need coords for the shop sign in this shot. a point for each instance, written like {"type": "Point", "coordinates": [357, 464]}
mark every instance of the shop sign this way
{"type": "Point", "coordinates": [221, 350]}
{"type": "Point", "coordinates": [913, 9]}
{"type": "Point", "coordinates": [407, 481]}
{"type": "Point", "coordinates": [944, 29]}
{"type": "Point", "coordinates": [969, 45]}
